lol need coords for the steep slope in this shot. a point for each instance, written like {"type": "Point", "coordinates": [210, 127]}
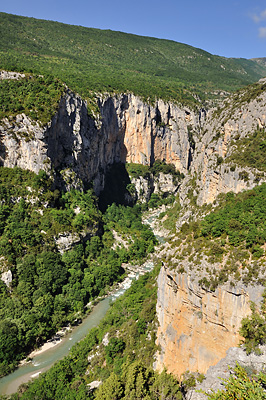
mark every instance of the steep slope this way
{"type": "Point", "coordinates": [214, 267]}
{"type": "Point", "coordinates": [197, 326]}
{"type": "Point", "coordinates": [126, 130]}
{"type": "Point", "coordinates": [106, 61]}
{"type": "Point", "coordinates": [210, 266]}
{"type": "Point", "coordinates": [230, 155]}
{"type": "Point", "coordinates": [215, 264]}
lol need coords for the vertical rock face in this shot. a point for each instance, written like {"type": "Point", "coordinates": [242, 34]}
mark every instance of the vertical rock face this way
{"type": "Point", "coordinates": [79, 148]}
{"type": "Point", "coordinates": [197, 327]}
{"type": "Point", "coordinates": [22, 143]}
{"type": "Point", "coordinates": [222, 130]}
{"type": "Point", "coordinates": [162, 184]}
{"type": "Point", "coordinates": [158, 132]}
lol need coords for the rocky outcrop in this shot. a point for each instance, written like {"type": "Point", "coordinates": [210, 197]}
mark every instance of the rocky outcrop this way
{"type": "Point", "coordinates": [158, 132]}
{"type": "Point", "coordinates": [214, 376]}
{"type": "Point", "coordinates": [5, 272]}
{"type": "Point", "coordinates": [11, 75]}
{"type": "Point", "coordinates": [162, 184]}
{"type": "Point", "coordinates": [66, 240]}
{"type": "Point", "coordinates": [78, 148]}
{"type": "Point", "coordinates": [22, 144]}
{"type": "Point", "coordinates": [239, 116]}
{"type": "Point", "coordinates": [196, 326]}
{"type": "Point", "coordinates": [6, 277]}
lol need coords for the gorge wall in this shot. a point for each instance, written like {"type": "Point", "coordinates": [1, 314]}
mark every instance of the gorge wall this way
{"type": "Point", "coordinates": [77, 148]}
{"type": "Point", "coordinates": [214, 172]}
{"type": "Point", "coordinates": [197, 326]}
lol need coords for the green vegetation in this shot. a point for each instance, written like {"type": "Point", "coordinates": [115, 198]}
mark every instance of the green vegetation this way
{"type": "Point", "coordinates": [137, 170]}
{"type": "Point", "coordinates": [92, 60]}
{"type": "Point", "coordinates": [131, 334]}
{"type": "Point", "coordinates": [231, 238]}
{"type": "Point", "coordinates": [50, 289]}
{"type": "Point", "coordinates": [240, 220]}
{"type": "Point", "coordinates": [158, 200]}
{"type": "Point", "coordinates": [126, 221]}
{"type": "Point", "coordinates": [253, 327]}
{"type": "Point", "coordinates": [36, 96]}
{"type": "Point", "coordinates": [161, 166]}
{"type": "Point", "coordinates": [250, 151]}
{"type": "Point", "coordinates": [242, 385]}
{"type": "Point", "coordinates": [171, 215]}
{"type": "Point", "coordinates": [151, 172]}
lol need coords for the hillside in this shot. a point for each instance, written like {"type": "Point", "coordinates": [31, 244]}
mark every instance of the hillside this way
{"type": "Point", "coordinates": [91, 60]}
{"type": "Point", "coordinates": [84, 177]}
{"type": "Point", "coordinates": [261, 61]}
{"type": "Point", "coordinates": [61, 246]}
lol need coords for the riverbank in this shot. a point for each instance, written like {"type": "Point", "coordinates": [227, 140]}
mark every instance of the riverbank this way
{"type": "Point", "coordinates": [50, 353]}
{"type": "Point", "coordinates": [132, 271]}
{"type": "Point", "coordinates": [40, 360]}
{"type": "Point", "coordinates": [46, 346]}
{"type": "Point", "coordinates": [46, 356]}
{"type": "Point", "coordinates": [49, 344]}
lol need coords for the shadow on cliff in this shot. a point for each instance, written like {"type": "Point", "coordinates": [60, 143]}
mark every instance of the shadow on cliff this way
{"type": "Point", "coordinates": [81, 149]}
{"type": "Point", "coordinates": [116, 187]}
{"type": "Point", "coordinates": [3, 153]}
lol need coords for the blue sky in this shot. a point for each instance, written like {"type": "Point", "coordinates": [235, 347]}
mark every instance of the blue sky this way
{"type": "Point", "coordinates": [227, 28]}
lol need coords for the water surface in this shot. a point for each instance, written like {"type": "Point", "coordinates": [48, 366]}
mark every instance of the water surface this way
{"type": "Point", "coordinates": [42, 362]}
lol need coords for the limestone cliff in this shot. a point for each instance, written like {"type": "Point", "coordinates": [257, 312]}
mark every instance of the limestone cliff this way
{"type": "Point", "coordinates": [163, 184]}
{"type": "Point", "coordinates": [212, 168]}
{"type": "Point", "coordinates": [196, 326]}
{"type": "Point", "coordinates": [78, 148]}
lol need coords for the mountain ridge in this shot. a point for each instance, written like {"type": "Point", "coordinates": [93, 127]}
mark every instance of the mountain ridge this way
{"type": "Point", "coordinates": [103, 60]}
{"type": "Point", "coordinates": [209, 260]}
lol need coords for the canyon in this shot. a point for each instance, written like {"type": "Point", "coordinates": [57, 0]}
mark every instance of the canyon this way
{"type": "Point", "coordinates": [78, 148]}
{"type": "Point", "coordinates": [196, 327]}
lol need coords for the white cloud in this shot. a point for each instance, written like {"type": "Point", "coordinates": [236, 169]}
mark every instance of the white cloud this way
{"type": "Point", "coordinates": [259, 17]}
{"type": "Point", "coordinates": [262, 32]}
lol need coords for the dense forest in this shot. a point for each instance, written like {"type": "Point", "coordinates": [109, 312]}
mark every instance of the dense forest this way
{"type": "Point", "coordinates": [93, 61]}
{"type": "Point", "coordinates": [125, 363]}
{"type": "Point", "coordinates": [54, 285]}
{"type": "Point", "coordinates": [36, 96]}
{"type": "Point", "coordinates": [50, 289]}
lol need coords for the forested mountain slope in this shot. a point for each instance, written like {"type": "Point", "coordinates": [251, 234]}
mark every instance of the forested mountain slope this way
{"type": "Point", "coordinates": [61, 245]}
{"type": "Point", "coordinates": [91, 60]}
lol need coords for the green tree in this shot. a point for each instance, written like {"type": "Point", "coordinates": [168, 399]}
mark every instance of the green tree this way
{"type": "Point", "coordinates": [111, 389]}
{"type": "Point", "coordinates": [241, 386]}
{"type": "Point", "coordinates": [9, 341]}
{"type": "Point", "coordinates": [136, 377]}
{"type": "Point", "coordinates": [165, 387]}
{"type": "Point", "coordinates": [114, 347]}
